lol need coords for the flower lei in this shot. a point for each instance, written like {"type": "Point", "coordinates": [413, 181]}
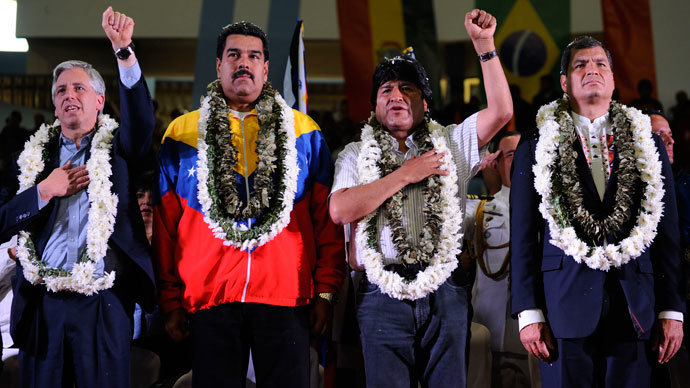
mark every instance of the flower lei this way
{"type": "Point", "coordinates": [561, 205]}
{"type": "Point", "coordinates": [101, 219]}
{"type": "Point", "coordinates": [440, 241]}
{"type": "Point", "coordinates": [217, 157]}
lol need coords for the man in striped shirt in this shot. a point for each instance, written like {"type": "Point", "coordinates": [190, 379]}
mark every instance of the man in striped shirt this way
{"type": "Point", "coordinates": [414, 330]}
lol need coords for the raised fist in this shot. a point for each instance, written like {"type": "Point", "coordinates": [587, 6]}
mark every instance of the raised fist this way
{"type": "Point", "coordinates": [118, 27]}
{"type": "Point", "coordinates": [480, 24]}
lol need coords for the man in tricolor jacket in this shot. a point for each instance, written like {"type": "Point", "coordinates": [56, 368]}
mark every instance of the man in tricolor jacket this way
{"type": "Point", "coordinates": [594, 235]}
{"type": "Point", "coordinates": [244, 243]}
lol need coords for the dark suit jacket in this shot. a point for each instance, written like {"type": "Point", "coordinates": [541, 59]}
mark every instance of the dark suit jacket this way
{"type": "Point", "coordinates": [128, 244]}
{"type": "Point", "coordinates": [571, 294]}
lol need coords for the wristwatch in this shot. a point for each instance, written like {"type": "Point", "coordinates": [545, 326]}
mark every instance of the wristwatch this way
{"type": "Point", "coordinates": [326, 295]}
{"type": "Point", "coordinates": [124, 52]}
{"type": "Point", "coordinates": [488, 55]}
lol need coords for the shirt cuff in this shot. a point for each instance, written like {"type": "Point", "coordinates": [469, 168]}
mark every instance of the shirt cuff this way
{"type": "Point", "coordinates": [670, 314]}
{"type": "Point", "coordinates": [129, 76]}
{"type": "Point", "coordinates": [530, 316]}
{"type": "Point", "coordinates": [41, 202]}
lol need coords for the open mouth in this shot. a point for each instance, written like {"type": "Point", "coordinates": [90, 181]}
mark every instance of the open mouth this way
{"type": "Point", "coordinates": [71, 108]}
{"type": "Point", "coordinates": [397, 108]}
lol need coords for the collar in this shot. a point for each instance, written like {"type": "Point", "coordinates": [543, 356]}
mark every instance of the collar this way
{"type": "Point", "coordinates": [242, 115]}
{"type": "Point", "coordinates": [586, 127]}
{"type": "Point", "coordinates": [503, 195]}
{"type": "Point", "coordinates": [84, 140]}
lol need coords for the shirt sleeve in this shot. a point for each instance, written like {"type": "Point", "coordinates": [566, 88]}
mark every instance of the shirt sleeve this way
{"type": "Point", "coordinates": [530, 316]}
{"type": "Point", "coordinates": [465, 147]}
{"type": "Point", "coordinates": [41, 202]}
{"type": "Point", "coordinates": [129, 76]}
{"type": "Point", "coordinates": [346, 168]}
{"type": "Point", "coordinates": [669, 314]}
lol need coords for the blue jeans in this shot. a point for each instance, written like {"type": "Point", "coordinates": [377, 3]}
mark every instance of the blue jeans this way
{"type": "Point", "coordinates": [410, 342]}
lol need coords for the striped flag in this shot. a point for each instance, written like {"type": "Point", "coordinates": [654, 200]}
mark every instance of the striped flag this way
{"type": "Point", "coordinates": [295, 82]}
{"type": "Point", "coordinates": [628, 35]}
{"type": "Point", "coordinates": [372, 30]}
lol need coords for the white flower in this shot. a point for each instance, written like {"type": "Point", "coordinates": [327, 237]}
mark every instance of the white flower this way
{"type": "Point", "coordinates": [289, 180]}
{"type": "Point", "coordinates": [440, 266]}
{"type": "Point", "coordinates": [647, 162]}
{"type": "Point", "coordinates": [101, 215]}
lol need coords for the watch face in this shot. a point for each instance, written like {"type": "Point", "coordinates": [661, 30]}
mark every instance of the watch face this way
{"type": "Point", "coordinates": [123, 53]}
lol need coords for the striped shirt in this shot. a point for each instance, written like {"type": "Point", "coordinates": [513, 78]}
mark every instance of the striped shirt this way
{"type": "Point", "coordinates": [462, 141]}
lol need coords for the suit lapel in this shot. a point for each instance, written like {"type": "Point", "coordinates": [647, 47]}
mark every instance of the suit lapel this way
{"type": "Point", "coordinates": [52, 163]}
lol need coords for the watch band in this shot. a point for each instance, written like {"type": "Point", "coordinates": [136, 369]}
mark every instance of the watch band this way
{"type": "Point", "coordinates": [483, 57]}
{"type": "Point", "coordinates": [124, 52]}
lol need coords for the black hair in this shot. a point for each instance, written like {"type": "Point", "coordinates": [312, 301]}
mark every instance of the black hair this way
{"type": "Point", "coordinates": [146, 180]}
{"type": "Point", "coordinates": [582, 42]}
{"type": "Point", "coordinates": [502, 134]}
{"type": "Point", "coordinates": [401, 68]}
{"type": "Point", "coordinates": [657, 112]}
{"type": "Point", "coordinates": [240, 28]}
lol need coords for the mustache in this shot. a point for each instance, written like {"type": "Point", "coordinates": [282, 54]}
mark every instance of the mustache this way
{"type": "Point", "coordinates": [242, 72]}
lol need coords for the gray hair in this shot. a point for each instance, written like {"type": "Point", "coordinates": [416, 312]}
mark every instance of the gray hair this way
{"type": "Point", "coordinates": [97, 82]}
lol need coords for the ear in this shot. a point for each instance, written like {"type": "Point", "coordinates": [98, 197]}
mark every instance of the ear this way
{"type": "Point", "coordinates": [101, 101]}
{"type": "Point", "coordinates": [218, 67]}
{"type": "Point", "coordinates": [426, 106]}
{"type": "Point", "coordinates": [265, 71]}
{"type": "Point", "coordinates": [564, 83]}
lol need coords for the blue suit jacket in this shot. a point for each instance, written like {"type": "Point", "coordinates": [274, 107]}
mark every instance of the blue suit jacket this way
{"type": "Point", "coordinates": [131, 143]}
{"type": "Point", "coordinates": [571, 294]}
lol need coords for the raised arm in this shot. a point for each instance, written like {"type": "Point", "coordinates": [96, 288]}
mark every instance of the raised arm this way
{"type": "Point", "coordinates": [119, 28]}
{"type": "Point", "coordinates": [481, 26]}
{"type": "Point", "coordinates": [136, 107]}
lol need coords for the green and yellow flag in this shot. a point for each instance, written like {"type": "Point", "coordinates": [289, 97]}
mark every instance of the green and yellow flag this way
{"type": "Point", "coordinates": [530, 37]}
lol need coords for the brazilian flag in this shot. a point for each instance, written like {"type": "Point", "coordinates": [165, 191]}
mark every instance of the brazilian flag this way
{"type": "Point", "coordinates": [529, 38]}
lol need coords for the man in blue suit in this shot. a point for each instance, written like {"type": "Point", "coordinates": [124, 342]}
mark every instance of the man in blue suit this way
{"type": "Point", "coordinates": [594, 244]}
{"type": "Point", "coordinates": [83, 254]}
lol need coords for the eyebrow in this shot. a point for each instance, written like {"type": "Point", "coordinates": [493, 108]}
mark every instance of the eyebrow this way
{"type": "Point", "coordinates": [59, 86]}
{"type": "Point", "coordinates": [236, 50]}
{"type": "Point", "coordinates": [595, 59]}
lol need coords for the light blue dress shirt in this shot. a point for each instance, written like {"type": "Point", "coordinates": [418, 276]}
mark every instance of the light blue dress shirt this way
{"type": "Point", "coordinates": [68, 238]}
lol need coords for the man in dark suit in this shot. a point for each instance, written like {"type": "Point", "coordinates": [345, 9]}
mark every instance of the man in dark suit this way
{"type": "Point", "coordinates": [83, 254]}
{"type": "Point", "coordinates": [595, 251]}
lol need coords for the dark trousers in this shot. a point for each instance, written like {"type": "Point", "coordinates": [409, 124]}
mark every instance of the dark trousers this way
{"type": "Point", "coordinates": [84, 341]}
{"type": "Point", "coordinates": [409, 342]}
{"type": "Point", "coordinates": [278, 337]}
{"type": "Point", "coordinates": [613, 356]}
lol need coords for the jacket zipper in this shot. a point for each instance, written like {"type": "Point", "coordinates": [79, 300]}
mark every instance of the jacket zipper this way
{"type": "Point", "coordinates": [249, 221]}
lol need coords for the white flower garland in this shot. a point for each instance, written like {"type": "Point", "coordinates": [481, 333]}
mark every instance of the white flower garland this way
{"type": "Point", "coordinates": [445, 261]}
{"type": "Point", "coordinates": [101, 219]}
{"type": "Point", "coordinates": [647, 163]}
{"type": "Point", "coordinates": [290, 179]}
